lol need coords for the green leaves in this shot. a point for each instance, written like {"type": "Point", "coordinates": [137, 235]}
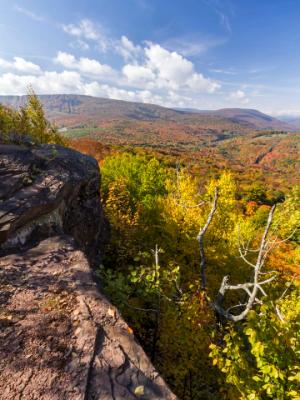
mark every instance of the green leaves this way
{"type": "Point", "coordinates": [264, 352]}
{"type": "Point", "coordinates": [143, 177]}
{"type": "Point", "coordinates": [29, 120]}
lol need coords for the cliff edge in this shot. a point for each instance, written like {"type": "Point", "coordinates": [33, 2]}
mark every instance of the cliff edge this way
{"type": "Point", "coordinates": [60, 338]}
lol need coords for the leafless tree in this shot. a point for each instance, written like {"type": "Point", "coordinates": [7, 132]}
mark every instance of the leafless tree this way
{"type": "Point", "coordinates": [254, 288]}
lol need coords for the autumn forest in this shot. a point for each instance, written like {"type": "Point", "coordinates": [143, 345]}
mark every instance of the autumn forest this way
{"type": "Point", "coordinates": [203, 259]}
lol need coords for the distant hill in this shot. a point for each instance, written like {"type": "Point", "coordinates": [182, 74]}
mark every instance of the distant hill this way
{"type": "Point", "coordinates": [79, 110]}
{"type": "Point", "coordinates": [246, 117]}
{"type": "Point", "coordinates": [293, 121]}
{"type": "Point", "coordinates": [252, 117]}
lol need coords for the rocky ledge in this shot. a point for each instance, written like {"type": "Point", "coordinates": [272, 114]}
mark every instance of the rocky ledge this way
{"type": "Point", "coordinates": [60, 338]}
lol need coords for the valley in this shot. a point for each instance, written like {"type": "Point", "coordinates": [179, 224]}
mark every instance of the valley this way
{"type": "Point", "coordinates": [247, 142]}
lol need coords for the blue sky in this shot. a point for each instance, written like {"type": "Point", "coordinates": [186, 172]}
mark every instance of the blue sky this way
{"type": "Point", "coordinates": [204, 54]}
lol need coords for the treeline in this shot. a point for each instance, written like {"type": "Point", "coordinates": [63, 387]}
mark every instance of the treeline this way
{"type": "Point", "coordinates": [27, 121]}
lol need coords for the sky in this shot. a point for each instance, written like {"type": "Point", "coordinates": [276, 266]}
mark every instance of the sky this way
{"type": "Point", "coordinates": [203, 54]}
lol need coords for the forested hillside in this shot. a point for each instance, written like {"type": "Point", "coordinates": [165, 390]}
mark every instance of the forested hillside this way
{"type": "Point", "coordinates": [204, 255]}
{"type": "Point", "coordinates": [80, 111]}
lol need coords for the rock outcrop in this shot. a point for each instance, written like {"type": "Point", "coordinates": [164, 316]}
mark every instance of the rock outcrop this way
{"type": "Point", "coordinates": [60, 338]}
{"type": "Point", "coordinates": [46, 189]}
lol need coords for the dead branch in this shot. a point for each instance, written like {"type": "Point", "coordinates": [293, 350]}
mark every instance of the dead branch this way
{"type": "Point", "coordinates": [200, 238]}
{"type": "Point", "coordinates": [141, 309]}
{"type": "Point", "coordinates": [252, 288]}
{"type": "Point", "coordinates": [202, 231]}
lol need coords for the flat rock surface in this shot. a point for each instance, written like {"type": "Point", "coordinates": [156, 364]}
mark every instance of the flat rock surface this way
{"type": "Point", "coordinates": [60, 338]}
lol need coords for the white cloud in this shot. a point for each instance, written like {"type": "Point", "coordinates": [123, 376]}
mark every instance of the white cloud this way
{"type": "Point", "coordinates": [143, 96]}
{"type": "Point", "coordinates": [94, 67]}
{"type": "Point", "coordinates": [28, 13]}
{"type": "Point", "coordinates": [197, 82]}
{"type": "Point", "coordinates": [138, 74]}
{"type": "Point", "coordinates": [70, 82]}
{"type": "Point", "coordinates": [160, 70]}
{"type": "Point", "coordinates": [150, 73]}
{"type": "Point", "coordinates": [21, 65]}
{"type": "Point", "coordinates": [85, 29]}
{"type": "Point", "coordinates": [47, 83]}
{"type": "Point", "coordinates": [239, 96]}
{"type": "Point", "coordinates": [169, 66]}
{"type": "Point", "coordinates": [163, 70]}
{"type": "Point", "coordinates": [65, 59]}
{"type": "Point", "coordinates": [85, 65]}
{"type": "Point", "coordinates": [151, 67]}
{"type": "Point", "coordinates": [127, 49]}
{"type": "Point", "coordinates": [5, 64]}
{"type": "Point", "coordinates": [175, 72]}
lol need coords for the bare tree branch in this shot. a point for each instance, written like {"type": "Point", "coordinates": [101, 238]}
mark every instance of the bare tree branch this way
{"type": "Point", "coordinates": [202, 231]}
{"type": "Point", "coordinates": [287, 238]}
{"type": "Point", "coordinates": [251, 288]}
{"type": "Point", "coordinates": [189, 207]}
{"type": "Point", "coordinates": [280, 316]}
{"type": "Point", "coordinates": [200, 238]}
{"type": "Point", "coordinates": [141, 309]}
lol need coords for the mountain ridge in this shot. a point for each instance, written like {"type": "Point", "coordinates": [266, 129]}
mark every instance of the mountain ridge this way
{"type": "Point", "coordinates": [69, 110]}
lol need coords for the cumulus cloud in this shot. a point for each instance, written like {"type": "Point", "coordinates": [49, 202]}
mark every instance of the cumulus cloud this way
{"type": "Point", "coordinates": [138, 74]}
{"type": "Point", "coordinates": [171, 68]}
{"type": "Point", "coordinates": [175, 71]}
{"type": "Point", "coordinates": [127, 49]}
{"type": "Point", "coordinates": [50, 82]}
{"type": "Point", "coordinates": [87, 30]}
{"type": "Point", "coordinates": [163, 69]}
{"type": "Point", "coordinates": [21, 65]}
{"type": "Point", "coordinates": [149, 67]}
{"type": "Point", "coordinates": [70, 82]}
{"type": "Point", "coordinates": [87, 66]}
{"type": "Point", "coordinates": [149, 73]}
